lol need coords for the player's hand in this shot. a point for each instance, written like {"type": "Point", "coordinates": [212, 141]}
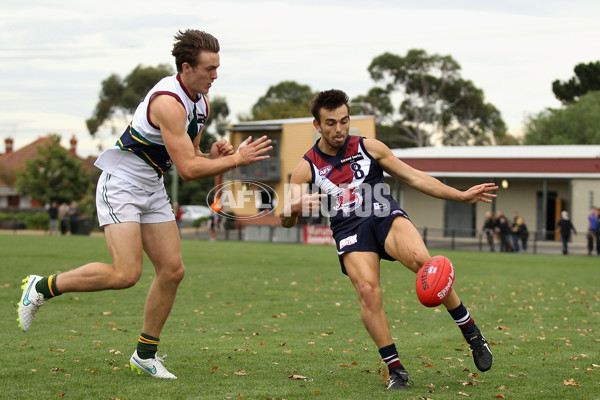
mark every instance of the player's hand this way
{"type": "Point", "coordinates": [481, 193]}
{"type": "Point", "coordinates": [309, 204]}
{"type": "Point", "coordinates": [221, 148]}
{"type": "Point", "coordinates": [250, 152]}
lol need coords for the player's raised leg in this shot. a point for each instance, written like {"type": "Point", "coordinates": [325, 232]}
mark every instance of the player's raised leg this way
{"type": "Point", "coordinates": [404, 243]}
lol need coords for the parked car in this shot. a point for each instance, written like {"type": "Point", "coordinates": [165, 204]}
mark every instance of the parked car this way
{"type": "Point", "coordinates": [191, 213]}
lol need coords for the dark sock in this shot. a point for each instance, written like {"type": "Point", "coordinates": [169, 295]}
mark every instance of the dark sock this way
{"type": "Point", "coordinates": [147, 346]}
{"type": "Point", "coordinates": [463, 319]}
{"type": "Point", "coordinates": [389, 354]}
{"type": "Point", "coordinates": [47, 287]}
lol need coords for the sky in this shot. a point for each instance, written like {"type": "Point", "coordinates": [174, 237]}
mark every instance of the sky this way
{"type": "Point", "coordinates": [55, 54]}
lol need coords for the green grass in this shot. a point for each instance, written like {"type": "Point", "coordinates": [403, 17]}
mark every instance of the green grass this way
{"type": "Point", "coordinates": [250, 315]}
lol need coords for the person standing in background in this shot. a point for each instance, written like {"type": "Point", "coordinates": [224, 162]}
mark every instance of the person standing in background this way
{"type": "Point", "coordinates": [53, 223]}
{"type": "Point", "coordinates": [63, 217]}
{"type": "Point", "coordinates": [592, 228]}
{"type": "Point", "coordinates": [488, 229]}
{"type": "Point", "coordinates": [565, 226]}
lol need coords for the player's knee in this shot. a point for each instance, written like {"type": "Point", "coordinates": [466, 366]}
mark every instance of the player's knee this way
{"type": "Point", "coordinates": [370, 295]}
{"type": "Point", "coordinates": [173, 275]}
{"type": "Point", "coordinates": [129, 279]}
{"type": "Point", "coordinates": [418, 259]}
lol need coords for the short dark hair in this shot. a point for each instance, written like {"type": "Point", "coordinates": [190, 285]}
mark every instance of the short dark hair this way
{"type": "Point", "coordinates": [329, 100]}
{"type": "Point", "coordinates": [189, 44]}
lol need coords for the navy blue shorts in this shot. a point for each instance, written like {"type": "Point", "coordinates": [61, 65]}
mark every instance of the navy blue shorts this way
{"type": "Point", "coordinates": [370, 236]}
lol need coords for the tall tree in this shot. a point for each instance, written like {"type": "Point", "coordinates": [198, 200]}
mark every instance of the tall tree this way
{"type": "Point", "coordinates": [123, 95]}
{"type": "Point", "coordinates": [576, 124]}
{"type": "Point", "coordinates": [586, 79]}
{"type": "Point", "coordinates": [287, 99]}
{"type": "Point", "coordinates": [54, 174]}
{"type": "Point", "coordinates": [436, 103]}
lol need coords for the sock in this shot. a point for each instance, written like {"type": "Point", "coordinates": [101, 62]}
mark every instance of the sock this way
{"type": "Point", "coordinates": [147, 346]}
{"type": "Point", "coordinates": [47, 287]}
{"type": "Point", "coordinates": [389, 354]}
{"type": "Point", "coordinates": [463, 319]}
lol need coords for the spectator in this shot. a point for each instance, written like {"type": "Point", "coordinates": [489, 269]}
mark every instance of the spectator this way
{"type": "Point", "coordinates": [214, 225]}
{"type": "Point", "coordinates": [53, 213]}
{"type": "Point", "coordinates": [178, 212]}
{"type": "Point", "coordinates": [522, 233]}
{"type": "Point", "coordinates": [63, 216]}
{"type": "Point", "coordinates": [73, 214]}
{"type": "Point", "coordinates": [488, 229]}
{"type": "Point", "coordinates": [592, 228]}
{"type": "Point", "coordinates": [566, 226]}
{"type": "Point", "coordinates": [597, 231]}
{"type": "Point", "coordinates": [514, 237]}
{"type": "Point", "coordinates": [503, 231]}
{"type": "Point", "coordinates": [496, 227]}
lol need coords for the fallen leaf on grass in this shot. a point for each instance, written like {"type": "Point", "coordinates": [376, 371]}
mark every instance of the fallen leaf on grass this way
{"type": "Point", "coordinates": [499, 396]}
{"type": "Point", "coordinates": [298, 377]}
{"type": "Point", "coordinates": [463, 394]}
{"type": "Point", "coordinates": [241, 372]}
{"type": "Point", "coordinates": [571, 382]}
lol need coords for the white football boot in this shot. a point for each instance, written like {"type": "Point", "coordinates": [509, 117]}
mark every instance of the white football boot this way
{"type": "Point", "coordinates": [30, 302]}
{"type": "Point", "coordinates": [151, 366]}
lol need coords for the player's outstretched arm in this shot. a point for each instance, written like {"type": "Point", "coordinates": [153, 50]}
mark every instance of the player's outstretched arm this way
{"type": "Point", "coordinates": [423, 182]}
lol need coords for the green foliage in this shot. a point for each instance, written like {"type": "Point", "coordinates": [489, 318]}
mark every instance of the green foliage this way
{"type": "Point", "coordinates": [54, 174]}
{"type": "Point", "coordinates": [124, 95]}
{"type": "Point", "coordinates": [586, 79]}
{"type": "Point", "coordinates": [219, 111]}
{"type": "Point", "coordinates": [39, 221]}
{"type": "Point", "coordinates": [248, 316]}
{"type": "Point", "coordinates": [435, 101]}
{"type": "Point", "coordinates": [578, 123]}
{"type": "Point", "coordinates": [287, 99]}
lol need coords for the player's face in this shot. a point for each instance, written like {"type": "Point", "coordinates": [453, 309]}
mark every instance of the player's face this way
{"type": "Point", "coordinates": [334, 128]}
{"type": "Point", "coordinates": [200, 78]}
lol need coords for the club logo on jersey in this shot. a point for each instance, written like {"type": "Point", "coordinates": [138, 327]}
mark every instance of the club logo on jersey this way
{"type": "Point", "coordinates": [348, 200]}
{"type": "Point", "coordinates": [325, 171]}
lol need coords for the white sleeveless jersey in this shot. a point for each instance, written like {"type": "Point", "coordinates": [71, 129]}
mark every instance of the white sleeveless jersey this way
{"type": "Point", "coordinates": [140, 156]}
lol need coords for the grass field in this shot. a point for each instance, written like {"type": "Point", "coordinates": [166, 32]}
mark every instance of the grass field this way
{"type": "Point", "coordinates": [250, 317]}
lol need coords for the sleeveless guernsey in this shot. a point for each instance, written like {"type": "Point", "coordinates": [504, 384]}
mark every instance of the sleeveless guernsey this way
{"type": "Point", "coordinates": [139, 155]}
{"type": "Point", "coordinates": [354, 183]}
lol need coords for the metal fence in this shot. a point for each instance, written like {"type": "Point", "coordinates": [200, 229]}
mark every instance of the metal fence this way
{"type": "Point", "coordinates": [434, 238]}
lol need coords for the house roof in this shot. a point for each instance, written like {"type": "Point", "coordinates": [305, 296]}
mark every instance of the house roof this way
{"type": "Point", "coordinates": [16, 159]}
{"type": "Point", "coordinates": [565, 161]}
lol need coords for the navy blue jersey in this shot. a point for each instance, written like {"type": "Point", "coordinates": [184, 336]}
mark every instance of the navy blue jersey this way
{"type": "Point", "coordinates": [353, 181]}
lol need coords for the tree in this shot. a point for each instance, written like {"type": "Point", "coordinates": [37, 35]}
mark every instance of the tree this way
{"type": "Point", "coordinates": [436, 103]}
{"type": "Point", "coordinates": [53, 175]}
{"type": "Point", "coordinates": [124, 95]}
{"type": "Point", "coordinates": [287, 99]}
{"type": "Point", "coordinates": [576, 124]}
{"type": "Point", "coordinates": [586, 79]}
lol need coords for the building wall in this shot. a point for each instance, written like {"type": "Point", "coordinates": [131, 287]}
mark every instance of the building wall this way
{"type": "Point", "coordinates": [520, 197]}
{"type": "Point", "coordinates": [586, 194]}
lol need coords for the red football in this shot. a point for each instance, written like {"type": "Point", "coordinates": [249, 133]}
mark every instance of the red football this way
{"type": "Point", "coordinates": [434, 281]}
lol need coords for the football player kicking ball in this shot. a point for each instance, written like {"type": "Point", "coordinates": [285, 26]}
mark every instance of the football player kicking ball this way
{"type": "Point", "coordinates": [368, 224]}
